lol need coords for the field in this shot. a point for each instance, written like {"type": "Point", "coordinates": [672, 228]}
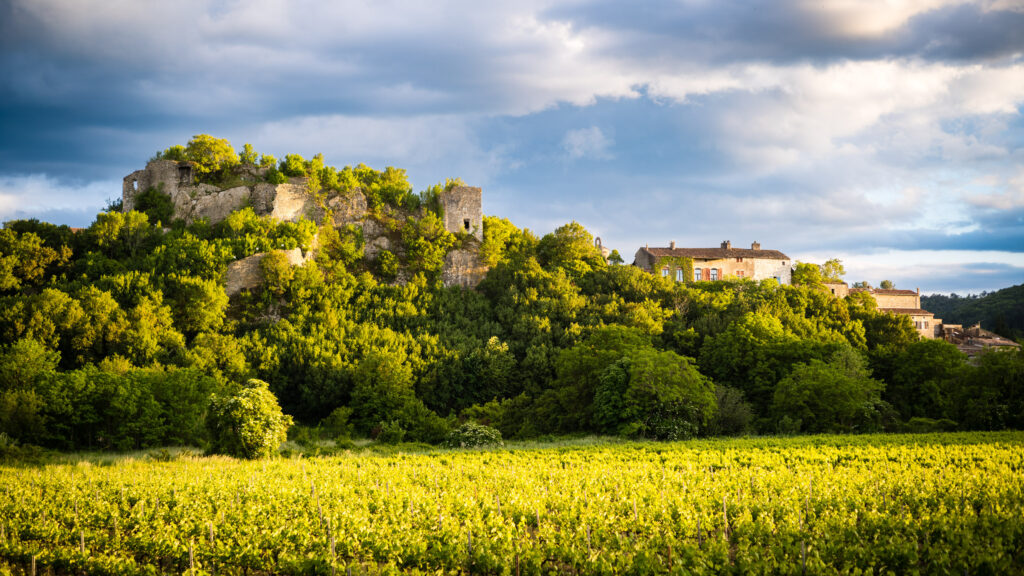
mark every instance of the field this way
{"type": "Point", "coordinates": [942, 504]}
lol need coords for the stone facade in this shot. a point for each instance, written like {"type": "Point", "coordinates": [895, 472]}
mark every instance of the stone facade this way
{"type": "Point", "coordinates": [715, 263]}
{"type": "Point", "coordinates": [906, 303]}
{"type": "Point", "coordinates": [462, 212]}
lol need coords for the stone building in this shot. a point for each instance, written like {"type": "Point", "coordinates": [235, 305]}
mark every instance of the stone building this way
{"type": "Point", "coordinates": [907, 303]}
{"type": "Point", "coordinates": [699, 264]}
{"type": "Point", "coordinates": [462, 213]}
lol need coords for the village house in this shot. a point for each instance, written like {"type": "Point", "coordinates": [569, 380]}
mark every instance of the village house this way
{"type": "Point", "coordinates": [700, 264]}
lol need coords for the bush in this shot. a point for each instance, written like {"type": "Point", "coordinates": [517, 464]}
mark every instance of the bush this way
{"type": "Point", "coordinates": [471, 435]}
{"type": "Point", "coordinates": [249, 424]}
{"type": "Point", "coordinates": [391, 432]}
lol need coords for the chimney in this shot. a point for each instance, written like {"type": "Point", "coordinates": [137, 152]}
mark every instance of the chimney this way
{"type": "Point", "coordinates": [672, 245]}
{"type": "Point", "coordinates": [726, 245]}
{"type": "Point", "coordinates": [755, 246]}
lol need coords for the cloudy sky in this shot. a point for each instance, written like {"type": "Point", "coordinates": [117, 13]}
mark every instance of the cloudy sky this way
{"type": "Point", "coordinates": [888, 133]}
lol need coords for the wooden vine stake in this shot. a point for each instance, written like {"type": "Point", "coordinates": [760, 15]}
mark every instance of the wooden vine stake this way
{"type": "Point", "coordinates": [191, 560]}
{"type": "Point", "coordinates": [81, 542]}
{"type": "Point", "coordinates": [33, 565]}
{"type": "Point", "coordinates": [589, 549]}
{"type": "Point", "coordinates": [803, 557]}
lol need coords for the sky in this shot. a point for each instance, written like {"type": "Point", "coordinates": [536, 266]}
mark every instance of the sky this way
{"type": "Point", "coordinates": [886, 133]}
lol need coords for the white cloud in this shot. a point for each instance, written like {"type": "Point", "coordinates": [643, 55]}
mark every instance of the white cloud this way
{"type": "Point", "coordinates": [34, 195]}
{"type": "Point", "coordinates": [587, 143]}
{"type": "Point", "coordinates": [430, 147]}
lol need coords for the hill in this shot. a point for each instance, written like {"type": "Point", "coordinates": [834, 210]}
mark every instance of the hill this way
{"type": "Point", "coordinates": [120, 336]}
{"type": "Point", "coordinates": [1001, 312]}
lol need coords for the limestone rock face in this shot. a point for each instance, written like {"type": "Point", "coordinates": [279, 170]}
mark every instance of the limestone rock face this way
{"type": "Point", "coordinates": [376, 246]}
{"type": "Point", "coordinates": [216, 205]}
{"type": "Point", "coordinates": [245, 274]}
{"type": "Point", "coordinates": [348, 207]}
{"type": "Point", "coordinates": [463, 268]}
{"type": "Point", "coordinates": [291, 203]}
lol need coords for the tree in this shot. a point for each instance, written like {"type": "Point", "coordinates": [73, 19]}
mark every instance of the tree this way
{"type": "Point", "coordinates": [887, 285]}
{"type": "Point", "coordinates": [210, 155]}
{"type": "Point", "coordinates": [248, 155]}
{"type": "Point", "coordinates": [832, 270]}
{"type": "Point", "coordinates": [248, 424]}
{"type": "Point", "coordinates": [571, 248]}
{"type": "Point", "coordinates": [615, 258]}
{"type": "Point", "coordinates": [807, 274]}
{"type": "Point", "coordinates": [831, 396]}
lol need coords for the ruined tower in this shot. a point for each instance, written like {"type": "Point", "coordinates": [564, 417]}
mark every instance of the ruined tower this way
{"type": "Point", "coordinates": [462, 211]}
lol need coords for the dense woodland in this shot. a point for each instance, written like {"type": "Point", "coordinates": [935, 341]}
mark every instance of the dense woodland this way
{"type": "Point", "coordinates": [118, 336]}
{"type": "Point", "coordinates": [1001, 311]}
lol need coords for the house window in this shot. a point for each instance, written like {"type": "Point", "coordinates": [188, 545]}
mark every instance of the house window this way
{"type": "Point", "coordinates": [713, 274]}
{"type": "Point", "coordinates": [679, 274]}
{"type": "Point", "coordinates": [739, 259]}
{"type": "Point", "coordinates": [664, 272]}
{"type": "Point", "coordinates": [739, 273]}
{"type": "Point", "coordinates": [465, 224]}
{"type": "Point", "coordinates": [926, 325]}
{"type": "Point", "coordinates": [696, 274]}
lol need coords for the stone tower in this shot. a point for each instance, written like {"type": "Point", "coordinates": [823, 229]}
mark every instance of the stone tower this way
{"type": "Point", "coordinates": [462, 211]}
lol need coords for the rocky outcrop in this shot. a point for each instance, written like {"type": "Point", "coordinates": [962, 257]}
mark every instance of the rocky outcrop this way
{"type": "Point", "coordinates": [245, 274]}
{"type": "Point", "coordinates": [290, 202]}
{"type": "Point", "coordinates": [463, 268]}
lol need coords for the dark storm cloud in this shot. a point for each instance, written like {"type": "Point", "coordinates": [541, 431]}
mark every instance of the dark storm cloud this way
{"type": "Point", "coordinates": [780, 32]}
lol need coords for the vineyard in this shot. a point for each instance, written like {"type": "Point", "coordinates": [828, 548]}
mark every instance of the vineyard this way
{"type": "Point", "coordinates": [937, 504]}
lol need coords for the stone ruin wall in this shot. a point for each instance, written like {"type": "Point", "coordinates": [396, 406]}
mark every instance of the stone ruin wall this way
{"type": "Point", "coordinates": [461, 209]}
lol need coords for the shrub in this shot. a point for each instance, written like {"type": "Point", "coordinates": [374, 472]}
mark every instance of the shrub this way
{"type": "Point", "coordinates": [391, 432]}
{"type": "Point", "coordinates": [472, 435]}
{"type": "Point", "coordinates": [249, 424]}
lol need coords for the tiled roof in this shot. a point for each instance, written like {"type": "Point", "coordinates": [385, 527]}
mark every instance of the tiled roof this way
{"type": "Point", "coordinates": [881, 292]}
{"type": "Point", "coordinates": [907, 311]}
{"type": "Point", "coordinates": [716, 253]}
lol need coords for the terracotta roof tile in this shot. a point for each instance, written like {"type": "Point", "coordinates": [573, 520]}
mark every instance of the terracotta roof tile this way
{"type": "Point", "coordinates": [716, 253]}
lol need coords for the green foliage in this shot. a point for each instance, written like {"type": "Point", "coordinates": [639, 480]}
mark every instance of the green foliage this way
{"type": "Point", "coordinates": [836, 395]}
{"type": "Point", "coordinates": [248, 424]}
{"type": "Point", "coordinates": [387, 265]}
{"type": "Point", "coordinates": [1001, 312]}
{"type": "Point", "coordinates": [473, 435]}
{"type": "Point", "coordinates": [248, 156]}
{"type": "Point", "coordinates": [277, 271]}
{"type": "Point", "coordinates": [293, 166]}
{"type": "Point", "coordinates": [887, 285]}
{"type": "Point", "coordinates": [570, 248]}
{"type": "Point", "coordinates": [211, 157]}
{"type": "Point", "coordinates": [615, 258]}
{"type": "Point", "coordinates": [157, 206]}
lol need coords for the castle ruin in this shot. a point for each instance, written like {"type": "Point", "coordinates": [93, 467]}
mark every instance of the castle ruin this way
{"type": "Point", "coordinates": [461, 212]}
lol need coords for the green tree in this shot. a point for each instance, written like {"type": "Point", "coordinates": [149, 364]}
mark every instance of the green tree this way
{"type": "Point", "coordinates": [887, 285]}
{"type": "Point", "coordinates": [615, 258]}
{"type": "Point", "coordinates": [210, 155]}
{"type": "Point", "coordinates": [248, 156]}
{"type": "Point", "coordinates": [248, 424]}
{"type": "Point", "coordinates": [571, 248]}
{"type": "Point", "coordinates": [277, 271]}
{"type": "Point", "coordinates": [832, 396]}
{"type": "Point", "coordinates": [807, 274]}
